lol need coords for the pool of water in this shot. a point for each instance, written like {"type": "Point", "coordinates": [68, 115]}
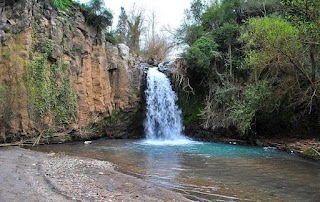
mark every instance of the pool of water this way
{"type": "Point", "coordinates": [208, 171]}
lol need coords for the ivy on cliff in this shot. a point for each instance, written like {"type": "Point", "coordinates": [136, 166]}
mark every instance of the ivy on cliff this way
{"type": "Point", "coordinates": [5, 110]}
{"type": "Point", "coordinates": [48, 88]}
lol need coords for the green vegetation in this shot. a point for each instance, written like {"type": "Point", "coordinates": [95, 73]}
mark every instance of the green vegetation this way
{"type": "Point", "coordinates": [114, 116]}
{"type": "Point", "coordinates": [96, 14]}
{"type": "Point", "coordinates": [5, 111]}
{"type": "Point", "coordinates": [244, 110]}
{"type": "Point", "coordinates": [255, 61]}
{"type": "Point", "coordinates": [109, 36]}
{"type": "Point", "coordinates": [201, 53]}
{"type": "Point", "coordinates": [37, 85]}
{"type": "Point", "coordinates": [311, 153]}
{"type": "Point", "coordinates": [190, 107]}
{"type": "Point", "coordinates": [62, 4]}
{"type": "Point", "coordinates": [49, 92]}
{"type": "Point", "coordinates": [49, 134]}
{"type": "Point", "coordinates": [122, 26]}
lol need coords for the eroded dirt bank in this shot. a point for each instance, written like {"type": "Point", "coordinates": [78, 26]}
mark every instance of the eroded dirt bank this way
{"type": "Point", "coordinates": [32, 176]}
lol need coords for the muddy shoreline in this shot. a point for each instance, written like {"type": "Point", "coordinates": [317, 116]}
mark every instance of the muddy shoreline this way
{"type": "Point", "coordinates": [34, 176]}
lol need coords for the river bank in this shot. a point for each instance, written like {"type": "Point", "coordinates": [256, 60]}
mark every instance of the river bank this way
{"type": "Point", "coordinates": [33, 176]}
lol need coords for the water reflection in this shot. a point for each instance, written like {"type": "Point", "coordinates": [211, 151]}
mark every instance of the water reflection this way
{"type": "Point", "coordinates": [161, 164]}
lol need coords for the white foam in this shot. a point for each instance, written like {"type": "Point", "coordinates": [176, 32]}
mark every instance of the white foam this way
{"type": "Point", "coordinates": [176, 142]}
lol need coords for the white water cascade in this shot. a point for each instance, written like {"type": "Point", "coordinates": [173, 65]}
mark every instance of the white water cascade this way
{"type": "Point", "coordinates": [163, 118]}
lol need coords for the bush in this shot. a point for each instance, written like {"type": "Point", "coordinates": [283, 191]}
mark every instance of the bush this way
{"type": "Point", "coordinates": [62, 4]}
{"type": "Point", "coordinates": [110, 38]}
{"type": "Point", "coordinates": [255, 97]}
{"type": "Point", "coordinates": [311, 153]}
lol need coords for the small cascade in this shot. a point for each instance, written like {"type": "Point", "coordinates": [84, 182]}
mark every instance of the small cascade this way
{"type": "Point", "coordinates": [163, 118]}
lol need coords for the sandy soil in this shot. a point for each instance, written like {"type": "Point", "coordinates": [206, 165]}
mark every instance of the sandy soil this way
{"type": "Point", "coordinates": [32, 176]}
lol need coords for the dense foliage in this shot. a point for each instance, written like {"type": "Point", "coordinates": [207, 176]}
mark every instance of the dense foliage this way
{"type": "Point", "coordinates": [256, 61]}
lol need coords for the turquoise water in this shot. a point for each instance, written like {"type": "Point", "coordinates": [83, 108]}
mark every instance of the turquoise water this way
{"type": "Point", "coordinates": [210, 149]}
{"type": "Point", "coordinates": [209, 171]}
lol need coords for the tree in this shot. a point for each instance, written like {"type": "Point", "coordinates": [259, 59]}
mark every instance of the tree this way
{"type": "Point", "coordinates": [188, 34]}
{"type": "Point", "coordinates": [152, 21]}
{"type": "Point", "coordinates": [156, 46]}
{"type": "Point", "coordinates": [157, 49]}
{"type": "Point", "coordinates": [196, 10]}
{"type": "Point", "coordinates": [203, 51]}
{"type": "Point", "coordinates": [96, 6]}
{"type": "Point", "coordinates": [237, 11]}
{"type": "Point", "coordinates": [97, 15]}
{"type": "Point", "coordinates": [191, 28]}
{"type": "Point", "coordinates": [225, 37]}
{"type": "Point", "coordinates": [122, 26]}
{"type": "Point", "coordinates": [135, 24]}
{"type": "Point", "coordinates": [305, 15]}
{"type": "Point", "coordinates": [212, 17]}
{"type": "Point", "coordinates": [277, 53]}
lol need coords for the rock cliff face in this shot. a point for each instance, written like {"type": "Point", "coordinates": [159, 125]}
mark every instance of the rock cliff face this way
{"type": "Point", "coordinates": [57, 73]}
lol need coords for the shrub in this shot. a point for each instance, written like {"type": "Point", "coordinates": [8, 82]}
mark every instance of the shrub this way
{"type": "Point", "coordinates": [110, 38]}
{"type": "Point", "coordinates": [254, 99]}
{"type": "Point", "coordinates": [311, 153]}
{"type": "Point", "coordinates": [62, 4]}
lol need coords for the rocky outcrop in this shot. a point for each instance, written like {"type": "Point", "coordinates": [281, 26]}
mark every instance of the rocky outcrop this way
{"type": "Point", "coordinates": [102, 78]}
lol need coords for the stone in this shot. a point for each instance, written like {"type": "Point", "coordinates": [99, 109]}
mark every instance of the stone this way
{"type": "Point", "coordinates": [124, 51]}
{"type": "Point", "coordinates": [11, 22]}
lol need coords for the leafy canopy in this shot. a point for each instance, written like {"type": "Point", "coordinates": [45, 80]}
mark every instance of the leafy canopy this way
{"type": "Point", "coordinates": [201, 53]}
{"type": "Point", "coordinates": [271, 40]}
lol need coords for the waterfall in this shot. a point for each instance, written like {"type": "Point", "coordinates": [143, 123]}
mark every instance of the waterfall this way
{"type": "Point", "coordinates": [163, 118]}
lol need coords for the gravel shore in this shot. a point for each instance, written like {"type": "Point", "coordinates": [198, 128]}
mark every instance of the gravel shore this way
{"type": "Point", "coordinates": [33, 176]}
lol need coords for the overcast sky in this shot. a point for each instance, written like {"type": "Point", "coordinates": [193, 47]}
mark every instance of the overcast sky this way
{"type": "Point", "coordinates": [169, 12]}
